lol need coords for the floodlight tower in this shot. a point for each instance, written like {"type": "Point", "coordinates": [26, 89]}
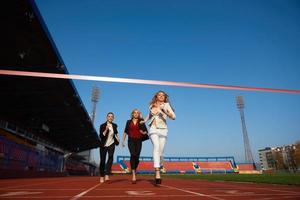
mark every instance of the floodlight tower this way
{"type": "Point", "coordinates": [94, 99]}
{"type": "Point", "coordinates": [248, 154]}
{"type": "Point", "coordinates": [88, 154]}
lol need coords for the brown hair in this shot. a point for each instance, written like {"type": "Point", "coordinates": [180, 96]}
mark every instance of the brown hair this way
{"type": "Point", "coordinates": [153, 101]}
{"type": "Point", "coordinates": [110, 113]}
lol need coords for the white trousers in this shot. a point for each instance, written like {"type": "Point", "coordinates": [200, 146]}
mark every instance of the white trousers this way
{"type": "Point", "coordinates": [158, 138]}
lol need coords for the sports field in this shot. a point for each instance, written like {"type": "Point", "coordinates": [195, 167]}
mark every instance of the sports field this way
{"type": "Point", "coordinates": [276, 178]}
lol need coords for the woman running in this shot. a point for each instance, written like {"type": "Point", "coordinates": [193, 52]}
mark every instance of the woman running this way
{"type": "Point", "coordinates": [160, 110]}
{"type": "Point", "coordinates": [137, 133]}
{"type": "Point", "coordinates": [109, 137]}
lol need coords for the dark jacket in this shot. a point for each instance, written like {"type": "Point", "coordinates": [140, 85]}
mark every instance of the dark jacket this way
{"type": "Point", "coordinates": [142, 127]}
{"type": "Point", "coordinates": [104, 138]}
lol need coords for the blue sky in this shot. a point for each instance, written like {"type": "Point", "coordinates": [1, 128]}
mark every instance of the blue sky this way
{"type": "Point", "coordinates": [232, 42]}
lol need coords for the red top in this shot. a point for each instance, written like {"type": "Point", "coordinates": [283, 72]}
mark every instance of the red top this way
{"type": "Point", "coordinates": [134, 130]}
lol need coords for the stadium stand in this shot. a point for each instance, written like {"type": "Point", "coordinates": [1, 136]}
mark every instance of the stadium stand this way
{"type": "Point", "coordinates": [215, 167]}
{"type": "Point", "coordinates": [17, 157]}
{"type": "Point", "coordinates": [41, 119]}
{"type": "Point", "coordinates": [247, 168]}
{"type": "Point", "coordinates": [117, 169]}
{"type": "Point", "coordinates": [185, 165]}
{"type": "Point", "coordinates": [179, 167]}
{"type": "Point", "coordinates": [74, 167]}
{"type": "Point", "coordinates": [145, 167]}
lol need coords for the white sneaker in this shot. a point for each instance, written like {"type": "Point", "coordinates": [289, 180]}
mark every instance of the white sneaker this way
{"type": "Point", "coordinates": [107, 178]}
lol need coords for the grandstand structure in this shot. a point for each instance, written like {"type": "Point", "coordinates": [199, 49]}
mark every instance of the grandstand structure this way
{"type": "Point", "coordinates": [42, 121]}
{"type": "Point", "coordinates": [179, 165]}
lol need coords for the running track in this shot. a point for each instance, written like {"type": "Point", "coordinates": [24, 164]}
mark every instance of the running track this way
{"type": "Point", "coordinates": [120, 187]}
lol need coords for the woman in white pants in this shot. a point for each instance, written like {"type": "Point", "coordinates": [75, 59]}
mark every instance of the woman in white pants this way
{"type": "Point", "coordinates": [160, 110]}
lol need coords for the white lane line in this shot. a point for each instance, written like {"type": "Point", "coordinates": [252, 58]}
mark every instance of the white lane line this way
{"type": "Point", "coordinates": [105, 197]}
{"type": "Point", "coordinates": [17, 193]}
{"type": "Point", "coordinates": [260, 188]}
{"type": "Point", "coordinates": [38, 189]}
{"type": "Point", "coordinates": [34, 184]}
{"type": "Point", "coordinates": [136, 189]}
{"type": "Point", "coordinates": [191, 192]}
{"type": "Point", "coordinates": [38, 197]}
{"type": "Point", "coordinates": [242, 195]}
{"type": "Point", "coordinates": [286, 191]}
{"type": "Point", "coordinates": [84, 192]}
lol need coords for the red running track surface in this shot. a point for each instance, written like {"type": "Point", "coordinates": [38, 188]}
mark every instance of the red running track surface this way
{"type": "Point", "coordinates": [120, 187]}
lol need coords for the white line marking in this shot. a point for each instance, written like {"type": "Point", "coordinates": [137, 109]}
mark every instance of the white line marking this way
{"type": "Point", "coordinates": [37, 189]}
{"type": "Point", "coordinates": [105, 197]}
{"type": "Point", "coordinates": [9, 194]}
{"type": "Point", "coordinates": [135, 189]}
{"type": "Point", "coordinates": [242, 195]}
{"type": "Point", "coordinates": [34, 184]}
{"type": "Point", "coordinates": [140, 193]}
{"type": "Point", "coordinates": [195, 193]}
{"type": "Point", "coordinates": [259, 188]}
{"type": "Point", "coordinates": [84, 192]}
{"type": "Point", "coordinates": [293, 192]}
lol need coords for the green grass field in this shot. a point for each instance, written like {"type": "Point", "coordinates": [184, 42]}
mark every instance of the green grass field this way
{"type": "Point", "coordinates": [277, 178]}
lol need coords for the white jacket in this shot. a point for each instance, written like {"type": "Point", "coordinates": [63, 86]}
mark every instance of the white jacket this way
{"type": "Point", "coordinates": [160, 117]}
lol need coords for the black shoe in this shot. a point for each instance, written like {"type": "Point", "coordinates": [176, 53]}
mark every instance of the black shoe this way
{"type": "Point", "coordinates": [157, 181]}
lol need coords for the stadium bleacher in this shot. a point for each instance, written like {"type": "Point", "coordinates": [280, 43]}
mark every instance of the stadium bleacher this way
{"type": "Point", "coordinates": [185, 165]}
{"type": "Point", "coordinates": [116, 168]}
{"type": "Point", "coordinates": [179, 167]}
{"type": "Point", "coordinates": [74, 167]}
{"type": "Point", "coordinates": [37, 112]}
{"type": "Point", "coordinates": [19, 157]}
{"type": "Point", "coordinates": [247, 168]}
{"type": "Point", "coordinates": [145, 166]}
{"type": "Point", "coordinates": [215, 167]}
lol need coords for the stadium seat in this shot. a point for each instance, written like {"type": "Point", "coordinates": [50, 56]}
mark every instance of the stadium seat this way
{"type": "Point", "coordinates": [179, 167]}
{"type": "Point", "coordinates": [215, 167]}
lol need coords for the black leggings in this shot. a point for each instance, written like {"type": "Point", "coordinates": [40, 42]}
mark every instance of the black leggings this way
{"type": "Point", "coordinates": [106, 169]}
{"type": "Point", "coordinates": [135, 147]}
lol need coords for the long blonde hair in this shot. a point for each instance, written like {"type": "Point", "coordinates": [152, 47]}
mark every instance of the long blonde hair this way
{"type": "Point", "coordinates": [154, 98]}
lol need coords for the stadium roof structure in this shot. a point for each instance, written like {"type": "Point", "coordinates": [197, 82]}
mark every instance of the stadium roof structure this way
{"type": "Point", "coordinates": [50, 108]}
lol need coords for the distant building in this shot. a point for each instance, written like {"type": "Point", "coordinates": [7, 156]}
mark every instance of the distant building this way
{"type": "Point", "coordinates": [266, 159]}
{"type": "Point", "coordinates": [297, 154]}
{"type": "Point", "coordinates": [282, 158]}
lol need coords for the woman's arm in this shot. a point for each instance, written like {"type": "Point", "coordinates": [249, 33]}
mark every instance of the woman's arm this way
{"type": "Point", "coordinates": [145, 120]}
{"type": "Point", "coordinates": [103, 131]}
{"type": "Point", "coordinates": [118, 137]}
{"type": "Point", "coordinates": [124, 138]}
{"type": "Point", "coordinates": [169, 111]}
{"type": "Point", "coordinates": [143, 128]}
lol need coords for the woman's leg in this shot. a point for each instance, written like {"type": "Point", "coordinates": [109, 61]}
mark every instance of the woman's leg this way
{"type": "Point", "coordinates": [156, 156]}
{"type": "Point", "coordinates": [138, 152]}
{"type": "Point", "coordinates": [156, 153]}
{"type": "Point", "coordinates": [103, 151]}
{"type": "Point", "coordinates": [162, 142]}
{"type": "Point", "coordinates": [131, 147]}
{"type": "Point", "coordinates": [111, 150]}
{"type": "Point", "coordinates": [138, 148]}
